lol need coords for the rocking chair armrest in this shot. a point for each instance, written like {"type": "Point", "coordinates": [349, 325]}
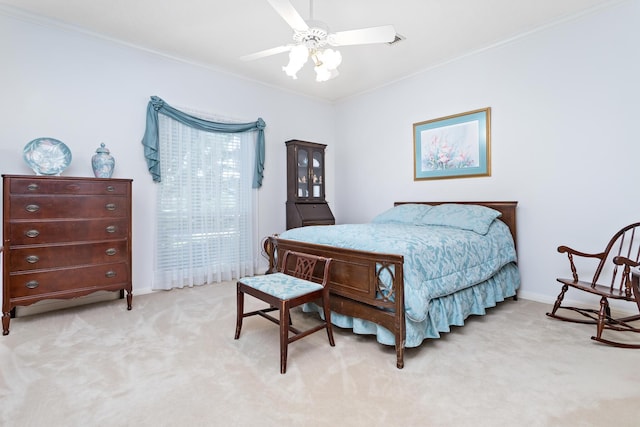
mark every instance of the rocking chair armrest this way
{"type": "Point", "coordinates": [620, 260]}
{"type": "Point", "coordinates": [570, 251]}
{"type": "Point", "coordinates": [631, 289]}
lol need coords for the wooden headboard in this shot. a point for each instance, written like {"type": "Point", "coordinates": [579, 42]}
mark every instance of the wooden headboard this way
{"type": "Point", "coordinates": [508, 210]}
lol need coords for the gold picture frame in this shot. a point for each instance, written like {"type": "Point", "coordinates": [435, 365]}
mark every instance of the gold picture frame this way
{"type": "Point", "coordinates": [457, 146]}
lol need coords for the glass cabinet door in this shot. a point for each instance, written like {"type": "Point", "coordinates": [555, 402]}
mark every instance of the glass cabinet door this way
{"type": "Point", "coordinates": [303, 172]}
{"type": "Point", "coordinates": [317, 172]}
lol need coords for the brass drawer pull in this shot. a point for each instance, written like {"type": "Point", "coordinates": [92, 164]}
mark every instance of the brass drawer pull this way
{"type": "Point", "coordinates": [32, 284]}
{"type": "Point", "coordinates": [32, 259]}
{"type": "Point", "coordinates": [110, 206]}
{"type": "Point", "coordinates": [111, 229]}
{"type": "Point", "coordinates": [32, 208]}
{"type": "Point", "coordinates": [32, 187]}
{"type": "Point", "coordinates": [32, 233]}
{"type": "Point", "coordinates": [110, 274]}
{"type": "Point", "coordinates": [111, 188]}
{"type": "Point", "coordinates": [111, 251]}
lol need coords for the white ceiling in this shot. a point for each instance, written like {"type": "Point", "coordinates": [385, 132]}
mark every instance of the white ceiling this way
{"type": "Point", "coordinates": [216, 33]}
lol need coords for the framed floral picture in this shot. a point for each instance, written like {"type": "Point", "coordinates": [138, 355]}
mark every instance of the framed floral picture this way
{"type": "Point", "coordinates": [455, 146]}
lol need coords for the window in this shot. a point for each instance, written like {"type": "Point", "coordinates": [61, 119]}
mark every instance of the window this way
{"type": "Point", "coordinates": [206, 207]}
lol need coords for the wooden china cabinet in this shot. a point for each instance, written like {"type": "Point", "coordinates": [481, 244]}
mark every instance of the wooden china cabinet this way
{"type": "Point", "coordinates": [306, 204]}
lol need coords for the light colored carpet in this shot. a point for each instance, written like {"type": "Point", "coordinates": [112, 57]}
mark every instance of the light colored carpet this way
{"type": "Point", "coordinates": [172, 360]}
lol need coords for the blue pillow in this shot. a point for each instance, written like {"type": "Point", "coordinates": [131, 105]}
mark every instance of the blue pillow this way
{"type": "Point", "coordinates": [466, 217]}
{"type": "Point", "coordinates": [409, 213]}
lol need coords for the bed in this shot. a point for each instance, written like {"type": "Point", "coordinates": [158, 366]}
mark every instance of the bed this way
{"type": "Point", "coordinates": [414, 270]}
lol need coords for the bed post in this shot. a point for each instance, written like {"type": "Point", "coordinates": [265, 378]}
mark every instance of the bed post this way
{"type": "Point", "coordinates": [269, 246]}
{"type": "Point", "coordinates": [400, 326]}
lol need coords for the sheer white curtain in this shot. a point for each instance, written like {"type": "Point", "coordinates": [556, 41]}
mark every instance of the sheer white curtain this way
{"type": "Point", "coordinates": [206, 207]}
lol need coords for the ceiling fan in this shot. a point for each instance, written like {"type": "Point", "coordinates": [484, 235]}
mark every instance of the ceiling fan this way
{"type": "Point", "coordinates": [311, 38]}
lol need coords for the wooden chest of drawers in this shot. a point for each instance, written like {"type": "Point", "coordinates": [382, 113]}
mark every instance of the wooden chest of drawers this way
{"type": "Point", "coordinates": [64, 238]}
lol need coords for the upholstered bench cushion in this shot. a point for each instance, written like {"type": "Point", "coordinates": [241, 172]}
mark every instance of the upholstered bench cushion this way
{"type": "Point", "coordinates": [281, 285]}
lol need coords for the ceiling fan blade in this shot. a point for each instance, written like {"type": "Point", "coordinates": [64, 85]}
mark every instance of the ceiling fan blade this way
{"type": "Point", "coordinates": [289, 14]}
{"type": "Point", "coordinates": [383, 34]}
{"type": "Point", "coordinates": [267, 52]}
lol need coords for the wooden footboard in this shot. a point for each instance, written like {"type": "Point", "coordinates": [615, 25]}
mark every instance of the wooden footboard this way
{"type": "Point", "coordinates": [365, 285]}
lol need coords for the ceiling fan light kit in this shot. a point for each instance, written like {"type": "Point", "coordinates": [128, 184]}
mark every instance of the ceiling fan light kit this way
{"type": "Point", "coordinates": [310, 39]}
{"type": "Point", "coordinates": [325, 62]}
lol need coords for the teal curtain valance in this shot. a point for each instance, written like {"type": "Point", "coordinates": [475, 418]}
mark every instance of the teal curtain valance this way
{"type": "Point", "coordinates": [150, 141]}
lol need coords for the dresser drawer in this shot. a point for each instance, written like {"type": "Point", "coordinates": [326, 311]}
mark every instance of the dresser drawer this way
{"type": "Point", "coordinates": [68, 279]}
{"type": "Point", "coordinates": [42, 232]}
{"type": "Point", "coordinates": [42, 257]}
{"type": "Point", "coordinates": [39, 207]}
{"type": "Point", "coordinates": [52, 185]}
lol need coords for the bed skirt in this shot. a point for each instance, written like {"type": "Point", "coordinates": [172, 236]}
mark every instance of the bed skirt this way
{"type": "Point", "coordinates": [443, 312]}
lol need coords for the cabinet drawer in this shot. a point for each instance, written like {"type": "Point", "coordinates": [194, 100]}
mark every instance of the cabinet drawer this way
{"type": "Point", "coordinates": [41, 257]}
{"type": "Point", "coordinates": [68, 279]}
{"type": "Point", "coordinates": [39, 207]}
{"type": "Point", "coordinates": [43, 232]}
{"type": "Point", "coordinates": [67, 186]}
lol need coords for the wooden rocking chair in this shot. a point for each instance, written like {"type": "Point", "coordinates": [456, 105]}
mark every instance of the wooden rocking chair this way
{"type": "Point", "coordinates": [612, 280]}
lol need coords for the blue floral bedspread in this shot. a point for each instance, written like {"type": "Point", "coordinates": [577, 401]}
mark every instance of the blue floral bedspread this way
{"type": "Point", "coordinates": [438, 260]}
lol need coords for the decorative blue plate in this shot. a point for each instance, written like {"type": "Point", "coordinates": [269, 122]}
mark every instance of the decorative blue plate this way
{"type": "Point", "coordinates": [47, 156]}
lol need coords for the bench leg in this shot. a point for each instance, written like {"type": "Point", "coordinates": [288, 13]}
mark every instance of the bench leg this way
{"type": "Point", "coordinates": [284, 335]}
{"type": "Point", "coordinates": [327, 319]}
{"type": "Point", "coordinates": [240, 311]}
